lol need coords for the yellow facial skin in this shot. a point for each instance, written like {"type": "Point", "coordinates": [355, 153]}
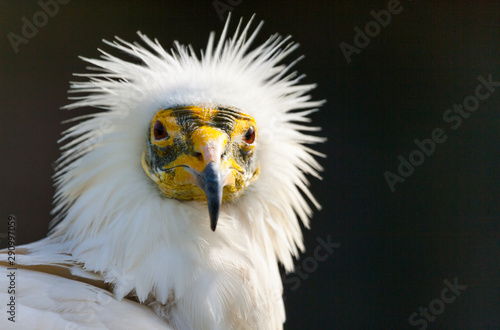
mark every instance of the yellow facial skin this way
{"type": "Point", "coordinates": [196, 136]}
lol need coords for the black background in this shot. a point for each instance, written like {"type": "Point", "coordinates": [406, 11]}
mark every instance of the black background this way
{"type": "Point", "coordinates": [397, 247]}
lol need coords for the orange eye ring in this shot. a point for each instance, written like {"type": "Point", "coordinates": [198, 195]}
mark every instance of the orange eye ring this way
{"type": "Point", "coordinates": [159, 131]}
{"type": "Point", "coordinates": [249, 136]}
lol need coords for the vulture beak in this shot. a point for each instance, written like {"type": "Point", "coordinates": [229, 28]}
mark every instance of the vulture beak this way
{"type": "Point", "coordinates": [211, 181]}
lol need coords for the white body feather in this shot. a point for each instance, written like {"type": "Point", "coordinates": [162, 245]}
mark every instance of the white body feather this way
{"type": "Point", "coordinates": [115, 222]}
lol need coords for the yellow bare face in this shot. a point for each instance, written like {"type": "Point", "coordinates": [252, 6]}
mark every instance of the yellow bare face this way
{"type": "Point", "coordinates": [197, 153]}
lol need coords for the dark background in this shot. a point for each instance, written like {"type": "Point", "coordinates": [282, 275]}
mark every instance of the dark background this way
{"type": "Point", "coordinates": [396, 248]}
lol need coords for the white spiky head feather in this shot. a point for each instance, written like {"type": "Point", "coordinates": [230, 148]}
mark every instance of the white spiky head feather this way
{"type": "Point", "coordinates": [114, 220]}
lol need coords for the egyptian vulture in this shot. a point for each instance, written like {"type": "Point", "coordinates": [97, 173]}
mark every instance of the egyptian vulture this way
{"type": "Point", "coordinates": [175, 204]}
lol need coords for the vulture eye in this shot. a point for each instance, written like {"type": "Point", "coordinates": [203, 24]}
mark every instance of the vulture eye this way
{"type": "Point", "coordinates": [249, 135]}
{"type": "Point", "coordinates": [159, 131]}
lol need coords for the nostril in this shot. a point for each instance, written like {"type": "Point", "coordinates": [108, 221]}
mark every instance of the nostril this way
{"type": "Point", "coordinates": [198, 155]}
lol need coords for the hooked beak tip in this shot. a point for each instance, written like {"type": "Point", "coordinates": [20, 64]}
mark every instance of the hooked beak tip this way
{"type": "Point", "coordinates": [211, 182]}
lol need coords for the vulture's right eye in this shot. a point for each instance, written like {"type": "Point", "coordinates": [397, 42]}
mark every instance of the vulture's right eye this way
{"type": "Point", "coordinates": [159, 131]}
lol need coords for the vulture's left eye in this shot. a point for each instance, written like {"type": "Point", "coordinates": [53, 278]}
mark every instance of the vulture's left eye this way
{"type": "Point", "coordinates": [159, 131]}
{"type": "Point", "coordinates": [249, 135]}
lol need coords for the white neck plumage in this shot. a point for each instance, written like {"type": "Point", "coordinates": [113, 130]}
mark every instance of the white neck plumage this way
{"type": "Point", "coordinates": [163, 252]}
